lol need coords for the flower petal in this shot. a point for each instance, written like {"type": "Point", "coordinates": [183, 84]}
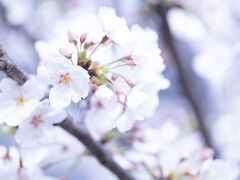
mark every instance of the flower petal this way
{"type": "Point", "coordinates": [60, 96]}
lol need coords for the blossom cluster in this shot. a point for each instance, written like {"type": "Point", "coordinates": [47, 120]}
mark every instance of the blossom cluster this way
{"type": "Point", "coordinates": [168, 151]}
{"type": "Point", "coordinates": [95, 66]}
{"type": "Point", "coordinates": [106, 76]}
{"type": "Point", "coordinates": [121, 66]}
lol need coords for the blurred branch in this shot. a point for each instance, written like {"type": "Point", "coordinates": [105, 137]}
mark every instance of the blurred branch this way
{"type": "Point", "coordinates": [187, 77]}
{"type": "Point", "coordinates": [18, 28]}
{"type": "Point", "coordinates": [79, 132]}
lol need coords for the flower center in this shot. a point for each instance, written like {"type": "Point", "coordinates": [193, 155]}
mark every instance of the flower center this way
{"type": "Point", "coordinates": [6, 157]}
{"type": "Point", "coordinates": [36, 121]}
{"type": "Point", "coordinates": [65, 79]}
{"type": "Point", "coordinates": [20, 100]}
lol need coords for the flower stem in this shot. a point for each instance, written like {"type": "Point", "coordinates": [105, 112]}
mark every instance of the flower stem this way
{"type": "Point", "coordinates": [93, 51]}
{"type": "Point", "coordinates": [117, 66]}
{"type": "Point", "coordinates": [115, 61]}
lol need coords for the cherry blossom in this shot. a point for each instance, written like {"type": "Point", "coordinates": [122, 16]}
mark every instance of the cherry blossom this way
{"type": "Point", "coordinates": [70, 83]}
{"type": "Point", "coordinates": [41, 120]}
{"type": "Point", "coordinates": [124, 67]}
{"type": "Point", "coordinates": [14, 168]}
{"type": "Point", "coordinates": [97, 89]}
{"type": "Point", "coordinates": [17, 102]}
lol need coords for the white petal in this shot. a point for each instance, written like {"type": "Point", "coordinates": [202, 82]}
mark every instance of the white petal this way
{"type": "Point", "coordinates": [7, 105]}
{"type": "Point", "coordinates": [8, 85]}
{"type": "Point", "coordinates": [25, 135]}
{"type": "Point", "coordinates": [104, 94]}
{"type": "Point", "coordinates": [56, 116]}
{"type": "Point", "coordinates": [75, 96]}
{"type": "Point", "coordinates": [80, 84]}
{"type": "Point", "coordinates": [42, 75]}
{"type": "Point", "coordinates": [13, 120]}
{"type": "Point", "coordinates": [60, 96]}
{"type": "Point", "coordinates": [125, 122]}
{"type": "Point", "coordinates": [33, 89]}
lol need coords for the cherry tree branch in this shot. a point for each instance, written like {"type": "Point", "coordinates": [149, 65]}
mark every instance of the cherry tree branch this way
{"type": "Point", "coordinates": [194, 91]}
{"type": "Point", "coordinates": [95, 148]}
{"type": "Point", "coordinates": [79, 132]}
{"type": "Point", "coordinates": [11, 69]}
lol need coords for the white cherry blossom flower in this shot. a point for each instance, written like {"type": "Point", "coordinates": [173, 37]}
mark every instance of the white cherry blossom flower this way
{"type": "Point", "coordinates": [17, 102]}
{"type": "Point", "coordinates": [104, 94]}
{"type": "Point", "coordinates": [9, 162]}
{"type": "Point", "coordinates": [115, 27]}
{"type": "Point", "coordinates": [130, 64]}
{"type": "Point", "coordinates": [33, 129]}
{"type": "Point", "coordinates": [107, 115]}
{"type": "Point", "coordinates": [13, 167]}
{"type": "Point", "coordinates": [120, 111]}
{"type": "Point", "coordinates": [70, 82]}
{"type": "Point", "coordinates": [139, 105]}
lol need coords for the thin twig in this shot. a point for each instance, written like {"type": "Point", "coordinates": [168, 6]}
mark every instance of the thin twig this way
{"type": "Point", "coordinates": [95, 148]}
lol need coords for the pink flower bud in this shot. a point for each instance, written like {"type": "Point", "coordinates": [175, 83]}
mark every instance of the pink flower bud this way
{"type": "Point", "coordinates": [131, 63]}
{"type": "Point", "coordinates": [114, 77]}
{"type": "Point", "coordinates": [65, 52]}
{"type": "Point", "coordinates": [94, 87]}
{"type": "Point", "coordinates": [130, 84]}
{"type": "Point", "coordinates": [88, 44]}
{"type": "Point", "coordinates": [128, 57]}
{"type": "Point", "coordinates": [83, 38]}
{"type": "Point", "coordinates": [70, 37]}
{"type": "Point", "coordinates": [106, 39]}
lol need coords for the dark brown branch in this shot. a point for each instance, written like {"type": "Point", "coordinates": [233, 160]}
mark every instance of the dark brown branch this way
{"type": "Point", "coordinates": [11, 69]}
{"type": "Point", "coordinates": [187, 78]}
{"type": "Point", "coordinates": [96, 149]}
{"type": "Point", "coordinates": [80, 133]}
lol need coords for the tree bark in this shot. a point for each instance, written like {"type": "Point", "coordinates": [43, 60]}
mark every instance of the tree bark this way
{"type": "Point", "coordinates": [11, 69]}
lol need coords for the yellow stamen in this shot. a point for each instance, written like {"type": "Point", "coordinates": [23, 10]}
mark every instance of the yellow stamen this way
{"type": "Point", "coordinates": [20, 100]}
{"type": "Point", "coordinates": [6, 157]}
{"type": "Point", "coordinates": [65, 79]}
{"type": "Point", "coordinates": [36, 121]}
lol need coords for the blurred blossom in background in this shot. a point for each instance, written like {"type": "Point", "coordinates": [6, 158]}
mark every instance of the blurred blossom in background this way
{"type": "Point", "coordinates": [195, 130]}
